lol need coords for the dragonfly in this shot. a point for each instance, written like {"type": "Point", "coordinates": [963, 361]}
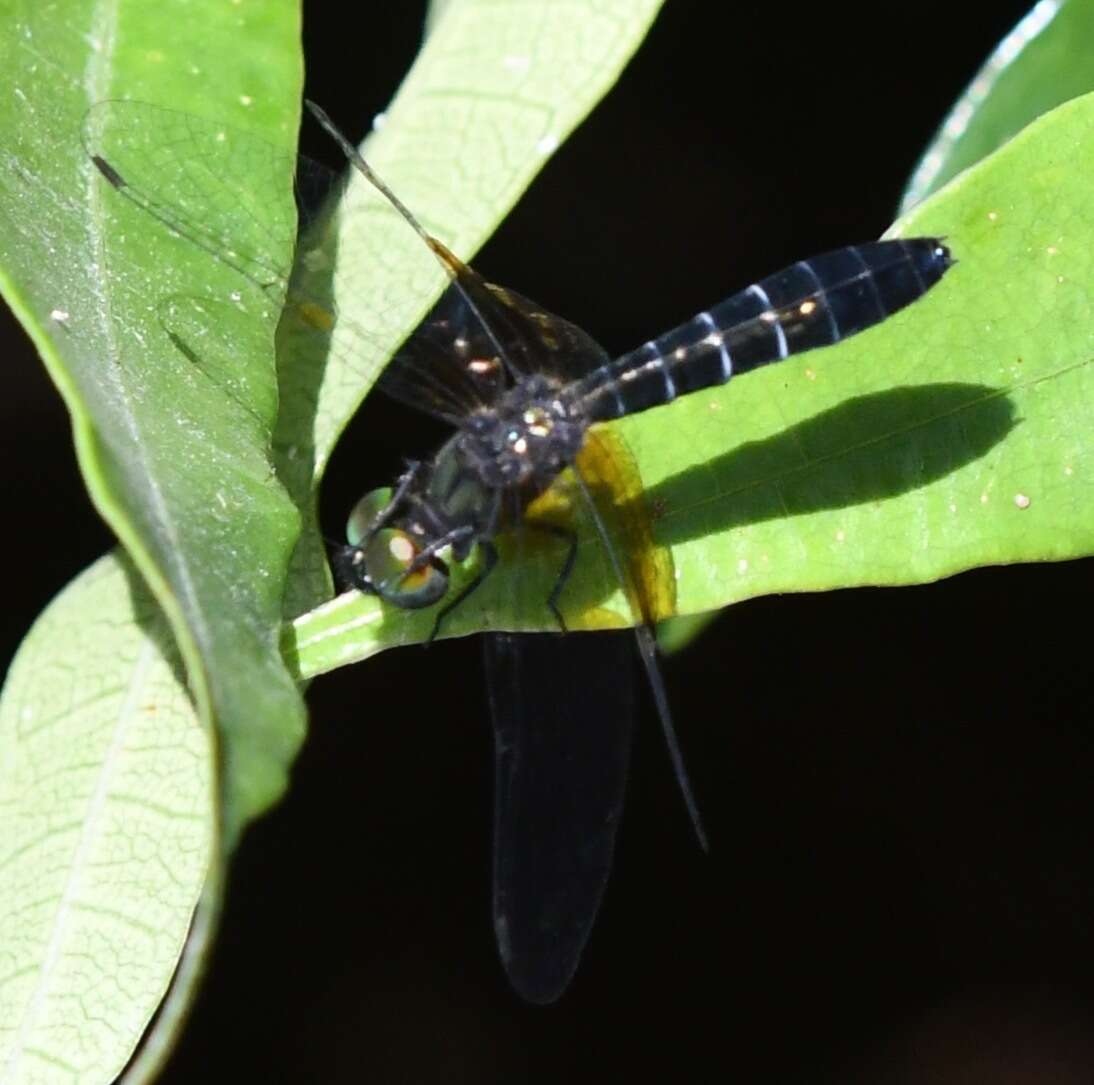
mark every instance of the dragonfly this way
{"type": "Point", "coordinates": [525, 392]}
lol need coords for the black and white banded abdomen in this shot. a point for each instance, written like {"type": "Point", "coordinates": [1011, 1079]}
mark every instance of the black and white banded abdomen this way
{"type": "Point", "coordinates": [813, 303]}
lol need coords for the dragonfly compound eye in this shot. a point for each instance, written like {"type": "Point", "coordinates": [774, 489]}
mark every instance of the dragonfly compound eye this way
{"type": "Point", "coordinates": [387, 563]}
{"type": "Point", "coordinates": [365, 516]}
{"type": "Point", "coordinates": [378, 558]}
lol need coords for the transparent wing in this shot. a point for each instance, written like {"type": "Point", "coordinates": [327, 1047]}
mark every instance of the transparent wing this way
{"type": "Point", "coordinates": [514, 334]}
{"type": "Point", "coordinates": [216, 187]}
{"type": "Point", "coordinates": [206, 182]}
{"type": "Point", "coordinates": [562, 710]}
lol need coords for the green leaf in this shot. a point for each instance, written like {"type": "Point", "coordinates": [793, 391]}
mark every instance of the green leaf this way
{"type": "Point", "coordinates": [179, 470]}
{"type": "Point", "coordinates": [1043, 62]}
{"type": "Point", "coordinates": [105, 835]}
{"type": "Point", "coordinates": [949, 436]}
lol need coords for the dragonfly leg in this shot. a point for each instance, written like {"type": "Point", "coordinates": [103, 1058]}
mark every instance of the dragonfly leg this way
{"type": "Point", "coordinates": [406, 480]}
{"type": "Point", "coordinates": [428, 554]}
{"type": "Point", "coordinates": [489, 560]}
{"type": "Point", "coordinates": [563, 577]}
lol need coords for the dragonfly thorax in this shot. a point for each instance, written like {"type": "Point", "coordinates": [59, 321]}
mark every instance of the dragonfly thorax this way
{"type": "Point", "coordinates": [526, 439]}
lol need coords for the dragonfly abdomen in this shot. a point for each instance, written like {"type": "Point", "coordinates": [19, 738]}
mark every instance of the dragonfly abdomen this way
{"type": "Point", "coordinates": [813, 303]}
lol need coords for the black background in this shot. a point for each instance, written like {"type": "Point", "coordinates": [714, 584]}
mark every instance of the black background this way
{"type": "Point", "coordinates": [895, 781]}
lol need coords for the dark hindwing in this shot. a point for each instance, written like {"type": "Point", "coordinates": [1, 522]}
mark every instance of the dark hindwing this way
{"type": "Point", "coordinates": [562, 730]}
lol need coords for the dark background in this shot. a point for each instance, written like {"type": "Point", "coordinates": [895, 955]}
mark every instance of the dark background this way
{"type": "Point", "coordinates": [895, 781]}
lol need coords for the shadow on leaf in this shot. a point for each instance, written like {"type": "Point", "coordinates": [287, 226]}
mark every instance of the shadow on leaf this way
{"type": "Point", "coordinates": [869, 449]}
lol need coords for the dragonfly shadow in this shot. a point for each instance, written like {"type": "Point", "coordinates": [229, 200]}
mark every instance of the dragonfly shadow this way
{"type": "Point", "coordinates": [870, 448]}
{"type": "Point", "coordinates": [305, 332]}
{"type": "Point", "coordinates": [304, 349]}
